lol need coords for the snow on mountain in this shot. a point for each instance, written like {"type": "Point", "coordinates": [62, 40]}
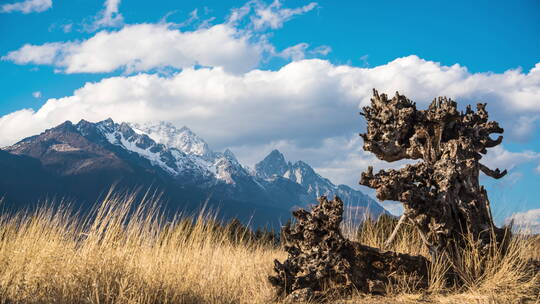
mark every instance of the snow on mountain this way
{"type": "Point", "coordinates": [174, 150]}
{"type": "Point", "coordinates": [172, 160]}
{"type": "Point", "coordinates": [84, 159]}
{"type": "Point", "coordinates": [123, 135]}
{"type": "Point", "coordinates": [180, 151]}
{"type": "Point", "coordinates": [227, 167]}
{"type": "Point", "coordinates": [274, 165]}
{"type": "Point", "coordinates": [182, 139]}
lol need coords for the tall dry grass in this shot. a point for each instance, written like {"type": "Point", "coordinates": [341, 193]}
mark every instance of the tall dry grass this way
{"type": "Point", "coordinates": [127, 253]}
{"type": "Point", "coordinates": [504, 275]}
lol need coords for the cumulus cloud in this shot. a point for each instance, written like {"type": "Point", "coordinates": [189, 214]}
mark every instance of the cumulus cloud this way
{"type": "Point", "coordinates": [307, 106]}
{"type": "Point", "coordinates": [47, 53]}
{"type": "Point", "coordinates": [227, 108]}
{"type": "Point", "coordinates": [27, 6]}
{"type": "Point", "coordinates": [36, 94]}
{"type": "Point", "coordinates": [235, 45]}
{"type": "Point", "coordinates": [526, 222]}
{"type": "Point", "coordinates": [306, 90]}
{"type": "Point", "coordinates": [162, 46]}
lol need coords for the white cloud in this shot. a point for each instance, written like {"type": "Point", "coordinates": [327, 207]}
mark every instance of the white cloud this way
{"type": "Point", "coordinates": [309, 108]}
{"type": "Point", "coordinates": [322, 50]}
{"type": "Point", "coordinates": [108, 17]}
{"type": "Point", "coordinates": [301, 51]}
{"type": "Point", "coordinates": [524, 126]}
{"type": "Point", "coordinates": [36, 94]}
{"type": "Point", "coordinates": [274, 16]}
{"type": "Point", "coordinates": [263, 16]}
{"type": "Point", "coordinates": [27, 6]}
{"type": "Point", "coordinates": [396, 208]}
{"type": "Point", "coordinates": [162, 46]}
{"type": "Point", "coordinates": [526, 222]}
{"type": "Point", "coordinates": [47, 53]}
{"type": "Point", "coordinates": [295, 52]}
{"type": "Point", "coordinates": [67, 27]}
{"type": "Point", "coordinates": [193, 17]}
{"type": "Point", "coordinates": [498, 157]}
{"type": "Point", "coordinates": [235, 45]}
{"type": "Point", "coordinates": [364, 60]}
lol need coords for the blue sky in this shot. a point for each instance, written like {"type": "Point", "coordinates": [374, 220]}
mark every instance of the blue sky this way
{"type": "Point", "coordinates": [254, 76]}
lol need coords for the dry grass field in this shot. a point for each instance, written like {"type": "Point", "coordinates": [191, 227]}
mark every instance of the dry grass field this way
{"type": "Point", "coordinates": [123, 256]}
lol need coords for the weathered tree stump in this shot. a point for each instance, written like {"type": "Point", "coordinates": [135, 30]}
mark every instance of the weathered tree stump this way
{"type": "Point", "coordinates": [441, 194]}
{"type": "Point", "coordinates": [322, 263]}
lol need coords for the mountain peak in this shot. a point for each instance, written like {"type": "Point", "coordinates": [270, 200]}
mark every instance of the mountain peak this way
{"type": "Point", "coordinates": [304, 168]}
{"type": "Point", "coordinates": [230, 155]}
{"type": "Point", "coordinates": [83, 121]}
{"type": "Point", "coordinates": [183, 129]}
{"type": "Point", "coordinates": [301, 164]}
{"type": "Point", "coordinates": [277, 154]}
{"type": "Point", "coordinates": [107, 122]}
{"type": "Point", "coordinates": [66, 124]}
{"type": "Point", "coordinates": [183, 139]}
{"type": "Point", "coordinates": [273, 164]}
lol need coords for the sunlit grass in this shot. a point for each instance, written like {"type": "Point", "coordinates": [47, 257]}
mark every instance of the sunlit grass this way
{"type": "Point", "coordinates": [126, 252]}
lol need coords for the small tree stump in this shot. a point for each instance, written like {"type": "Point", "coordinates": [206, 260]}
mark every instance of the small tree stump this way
{"type": "Point", "coordinates": [321, 263]}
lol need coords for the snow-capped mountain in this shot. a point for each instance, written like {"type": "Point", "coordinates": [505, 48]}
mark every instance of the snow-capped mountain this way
{"type": "Point", "coordinates": [300, 172]}
{"type": "Point", "coordinates": [176, 151]}
{"type": "Point", "coordinates": [170, 160]}
{"type": "Point", "coordinates": [85, 159]}
{"type": "Point", "coordinates": [182, 139]}
{"type": "Point", "coordinates": [274, 164]}
{"type": "Point", "coordinates": [223, 166]}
